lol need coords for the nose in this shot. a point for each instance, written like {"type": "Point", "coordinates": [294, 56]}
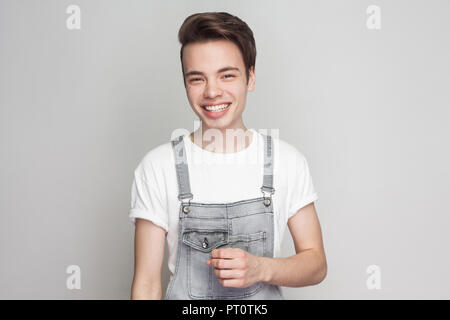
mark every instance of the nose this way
{"type": "Point", "coordinates": [212, 90]}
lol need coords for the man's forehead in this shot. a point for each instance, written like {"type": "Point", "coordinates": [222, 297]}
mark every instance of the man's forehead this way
{"type": "Point", "coordinates": [212, 56]}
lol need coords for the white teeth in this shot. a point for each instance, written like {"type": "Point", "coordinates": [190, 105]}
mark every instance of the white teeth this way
{"type": "Point", "coordinates": [217, 108]}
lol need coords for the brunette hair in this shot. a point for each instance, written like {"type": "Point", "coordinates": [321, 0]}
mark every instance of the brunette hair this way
{"type": "Point", "coordinates": [208, 26]}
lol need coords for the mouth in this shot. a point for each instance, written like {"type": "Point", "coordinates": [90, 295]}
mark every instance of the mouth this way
{"type": "Point", "coordinates": [216, 107]}
{"type": "Point", "coordinates": [216, 111]}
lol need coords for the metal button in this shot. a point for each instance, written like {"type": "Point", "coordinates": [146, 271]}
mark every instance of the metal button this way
{"type": "Point", "coordinates": [267, 202]}
{"type": "Point", "coordinates": [205, 243]}
{"type": "Point", "coordinates": [185, 209]}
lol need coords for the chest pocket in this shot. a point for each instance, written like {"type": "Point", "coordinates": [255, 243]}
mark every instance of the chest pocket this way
{"type": "Point", "coordinates": [202, 282]}
{"type": "Point", "coordinates": [205, 240]}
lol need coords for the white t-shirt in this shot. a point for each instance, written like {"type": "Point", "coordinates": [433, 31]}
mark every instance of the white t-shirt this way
{"type": "Point", "coordinates": [219, 178]}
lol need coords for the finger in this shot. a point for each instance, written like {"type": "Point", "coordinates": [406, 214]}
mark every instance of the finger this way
{"type": "Point", "coordinates": [228, 273]}
{"type": "Point", "coordinates": [226, 263]}
{"type": "Point", "coordinates": [235, 283]}
{"type": "Point", "coordinates": [227, 253]}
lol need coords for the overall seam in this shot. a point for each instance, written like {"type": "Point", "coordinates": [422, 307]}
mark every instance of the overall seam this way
{"type": "Point", "coordinates": [175, 273]}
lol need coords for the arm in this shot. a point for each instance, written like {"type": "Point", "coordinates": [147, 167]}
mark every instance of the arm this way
{"type": "Point", "coordinates": [149, 244]}
{"type": "Point", "coordinates": [308, 266]}
{"type": "Point", "coordinates": [238, 268]}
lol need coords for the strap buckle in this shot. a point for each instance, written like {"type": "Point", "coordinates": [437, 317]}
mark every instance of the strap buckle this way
{"type": "Point", "coordinates": [272, 191]}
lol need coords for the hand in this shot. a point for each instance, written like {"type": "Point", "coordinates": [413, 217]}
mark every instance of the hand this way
{"type": "Point", "coordinates": [236, 267]}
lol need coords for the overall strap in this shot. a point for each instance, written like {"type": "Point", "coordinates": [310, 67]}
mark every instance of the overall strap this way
{"type": "Point", "coordinates": [267, 186]}
{"type": "Point", "coordinates": [184, 187]}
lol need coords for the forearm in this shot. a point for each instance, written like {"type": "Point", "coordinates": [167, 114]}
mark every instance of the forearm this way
{"type": "Point", "coordinates": [306, 268]}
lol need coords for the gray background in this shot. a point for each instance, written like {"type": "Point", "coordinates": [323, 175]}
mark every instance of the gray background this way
{"type": "Point", "coordinates": [368, 108]}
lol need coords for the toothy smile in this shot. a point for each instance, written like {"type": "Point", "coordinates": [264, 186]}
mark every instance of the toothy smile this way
{"type": "Point", "coordinates": [216, 108]}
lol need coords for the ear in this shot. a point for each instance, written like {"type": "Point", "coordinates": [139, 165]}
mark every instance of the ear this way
{"type": "Point", "coordinates": [251, 79]}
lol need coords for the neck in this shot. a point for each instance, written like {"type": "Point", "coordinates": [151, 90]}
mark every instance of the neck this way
{"type": "Point", "coordinates": [222, 140]}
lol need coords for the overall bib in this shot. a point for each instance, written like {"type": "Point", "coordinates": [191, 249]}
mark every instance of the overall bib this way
{"type": "Point", "coordinates": [246, 224]}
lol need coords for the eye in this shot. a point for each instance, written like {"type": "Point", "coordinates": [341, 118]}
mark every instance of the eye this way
{"type": "Point", "coordinates": [229, 75]}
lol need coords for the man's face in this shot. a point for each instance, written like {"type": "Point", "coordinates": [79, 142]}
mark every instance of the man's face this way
{"type": "Point", "coordinates": [215, 75]}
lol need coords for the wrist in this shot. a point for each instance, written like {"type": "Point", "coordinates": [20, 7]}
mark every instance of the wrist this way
{"type": "Point", "coordinates": [265, 274]}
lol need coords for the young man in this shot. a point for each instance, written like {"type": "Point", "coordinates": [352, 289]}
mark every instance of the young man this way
{"type": "Point", "coordinates": [224, 216]}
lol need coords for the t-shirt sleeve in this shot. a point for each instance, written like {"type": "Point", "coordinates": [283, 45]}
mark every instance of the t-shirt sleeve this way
{"type": "Point", "coordinates": [147, 200]}
{"type": "Point", "coordinates": [301, 191]}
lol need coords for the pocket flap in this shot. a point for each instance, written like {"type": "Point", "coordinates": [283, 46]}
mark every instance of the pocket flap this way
{"type": "Point", "coordinates": [205, 240]}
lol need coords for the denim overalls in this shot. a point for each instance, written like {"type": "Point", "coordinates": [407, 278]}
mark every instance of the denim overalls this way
{"type": "Point", "coordinates": [246, 224]}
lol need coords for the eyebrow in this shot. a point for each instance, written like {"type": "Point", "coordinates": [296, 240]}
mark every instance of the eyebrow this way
{"type": "Point", "coordinates": [190, 73]}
